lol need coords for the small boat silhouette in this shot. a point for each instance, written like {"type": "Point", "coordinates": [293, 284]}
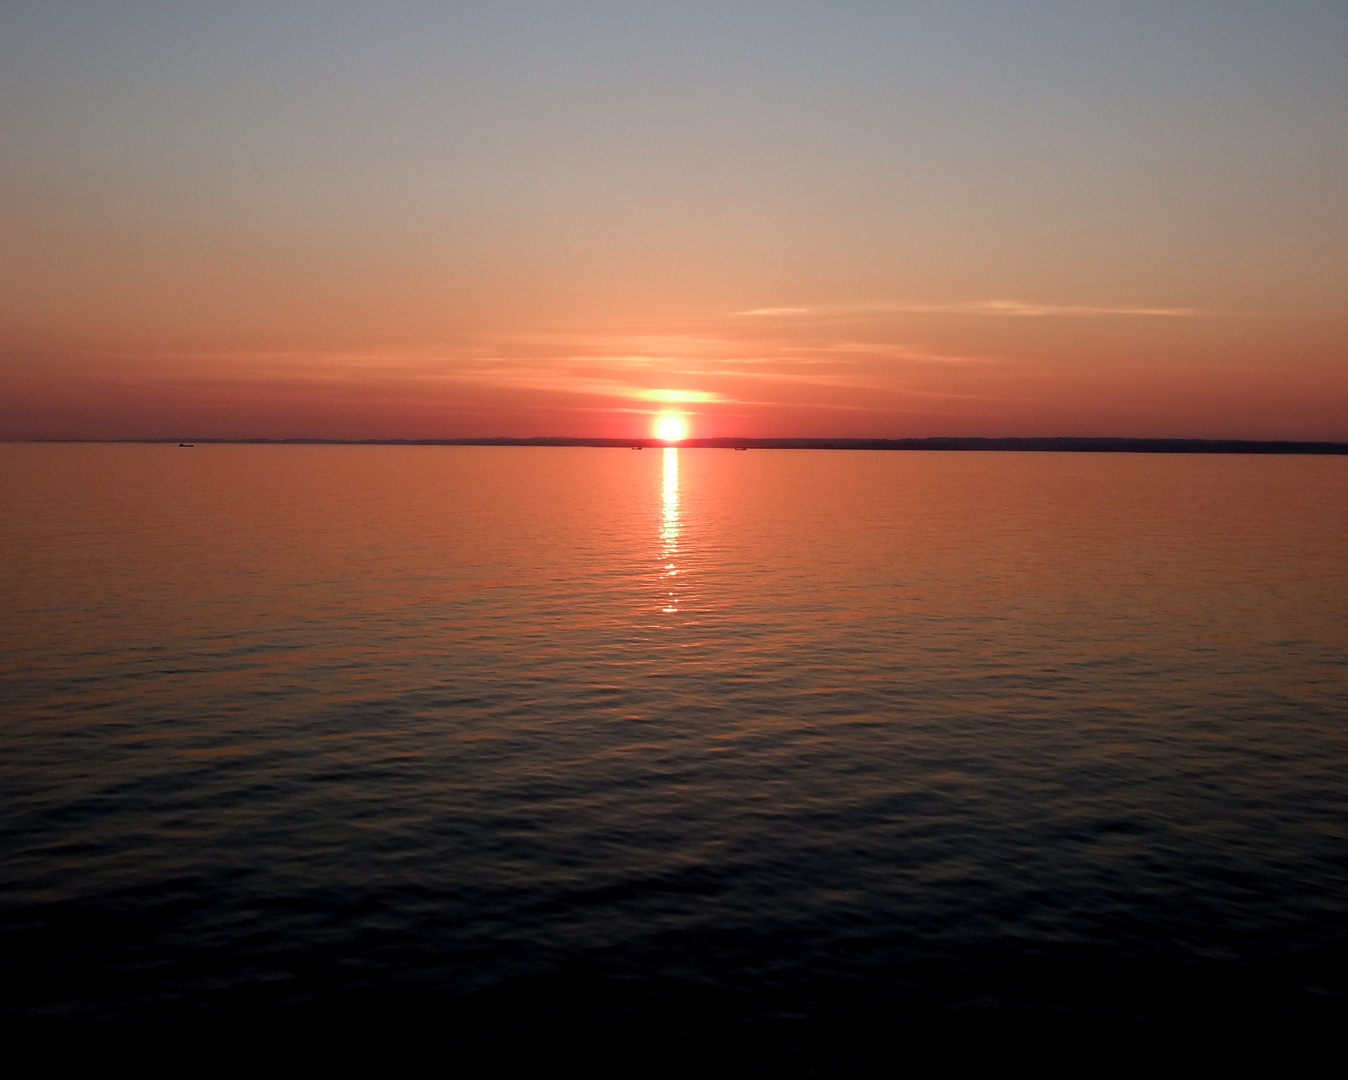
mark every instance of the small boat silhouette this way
{"type": "Point", "coordinates": [638, 446]}
{"type": "Point", "coordinates": [188, 444]}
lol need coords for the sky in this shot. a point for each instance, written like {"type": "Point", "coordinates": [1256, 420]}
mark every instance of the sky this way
{"type": "Point", "coordinates": [844, 218]}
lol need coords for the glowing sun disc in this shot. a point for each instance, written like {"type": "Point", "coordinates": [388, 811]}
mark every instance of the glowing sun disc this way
{"type": "Point", "coordinates": [671, 427]}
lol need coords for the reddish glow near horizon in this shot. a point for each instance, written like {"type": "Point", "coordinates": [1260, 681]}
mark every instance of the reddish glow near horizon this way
{"type": "Point", "coordinates": [671, 427]}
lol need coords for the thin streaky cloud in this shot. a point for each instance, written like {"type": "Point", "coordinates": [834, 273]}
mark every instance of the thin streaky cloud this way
{"type": "Point", "coordinates": [534, 378]}
{"type": "Point", "coordinates": [685, 396]}
{"type": "Point", "coordinates": [991, 308]}
{"type": "Point", "coordinates": [1020, 308]}
{"type": "Point", "coordinates": [537, 378]}
{"type": "Point", "coordinates": [839, 382]}
{"type": "Point", "coordinates": [882, 351]}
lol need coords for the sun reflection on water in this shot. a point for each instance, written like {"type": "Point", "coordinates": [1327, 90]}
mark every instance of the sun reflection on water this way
{"type": "Point", "coordinates": [669, 527]}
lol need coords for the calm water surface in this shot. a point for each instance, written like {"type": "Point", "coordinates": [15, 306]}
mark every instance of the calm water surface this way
{"type": "Point", "coordinates": [805, 748]}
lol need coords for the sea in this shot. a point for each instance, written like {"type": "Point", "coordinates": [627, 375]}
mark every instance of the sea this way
{"type": "Point", "coordinates": [787, 760]}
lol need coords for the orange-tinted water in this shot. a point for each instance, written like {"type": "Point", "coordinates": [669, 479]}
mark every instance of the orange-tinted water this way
{"type": "Point", "coordinates": [682, 740]}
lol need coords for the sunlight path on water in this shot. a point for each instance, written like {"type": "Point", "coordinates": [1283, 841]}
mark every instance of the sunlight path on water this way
{"type": "Point", "coordinates": [669, 526]}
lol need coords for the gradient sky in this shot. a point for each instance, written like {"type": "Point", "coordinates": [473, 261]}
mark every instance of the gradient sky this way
{"type": "Point", "coordinates": [428, 220]}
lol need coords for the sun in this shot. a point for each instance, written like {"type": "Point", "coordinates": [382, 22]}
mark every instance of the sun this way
{"type": "Point", "coordinates": [671, 427]}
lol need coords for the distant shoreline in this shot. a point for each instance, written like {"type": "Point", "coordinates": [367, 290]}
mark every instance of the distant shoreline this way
{"type": "Point", "coordinates": [1066, 444]}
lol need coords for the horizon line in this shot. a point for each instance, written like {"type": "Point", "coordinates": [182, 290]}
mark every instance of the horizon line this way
{"type": "Point", "coordinates": [1047, 443]}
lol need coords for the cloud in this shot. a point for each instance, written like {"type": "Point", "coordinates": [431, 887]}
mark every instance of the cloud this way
{"type": "Point", "coordinates": [677, 395]}
{"type": "Point", "coordinates": [883, 351]}
{"type": "Point", "coordinates": [991, 308]}
{"type": "Point", "coordinates": [566, 380]}
{"type": "Point", "coordinates": [1019, 308]}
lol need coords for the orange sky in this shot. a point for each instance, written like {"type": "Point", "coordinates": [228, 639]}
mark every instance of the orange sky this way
{"type": "Point", "coordinates": [782, 220]}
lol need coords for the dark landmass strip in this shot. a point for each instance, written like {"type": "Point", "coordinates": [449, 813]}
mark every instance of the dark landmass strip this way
{"type": "Point", "coordinates": [1060, 444]}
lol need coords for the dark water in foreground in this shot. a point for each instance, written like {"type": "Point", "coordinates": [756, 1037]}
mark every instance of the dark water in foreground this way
{"type": "Point", "coordinates": [800, 752]}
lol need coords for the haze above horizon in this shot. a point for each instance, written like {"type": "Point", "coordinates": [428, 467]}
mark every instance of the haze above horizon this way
{"type": "Point", "coordinates": [852, 220]}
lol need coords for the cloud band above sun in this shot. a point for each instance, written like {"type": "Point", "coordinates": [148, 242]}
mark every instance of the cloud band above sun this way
{"type": "Point", "coordinates": [685, 396]}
